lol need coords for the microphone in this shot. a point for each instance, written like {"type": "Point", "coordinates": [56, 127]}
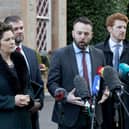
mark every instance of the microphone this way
{"type": "Point", "coordinates": [82, 89]}
{"type": "Point", "coordinates": [111, 77]}
{"type": "Point", "coordinates": [60, 94]}
{"type": "Point", "coordinates": [124, 70]}
{"type": "Point", "coordinates": [96, 85]}
{"type": "Point", "coordinates": [100, 71]}
{"type": "Point", "coordinates": [95, 90]}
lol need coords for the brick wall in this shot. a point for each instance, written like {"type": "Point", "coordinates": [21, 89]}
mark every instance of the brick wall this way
{"type": "Point", "coordinates": [10, 7]}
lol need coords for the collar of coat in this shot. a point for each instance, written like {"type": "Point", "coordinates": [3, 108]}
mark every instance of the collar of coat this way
{"type": "Point", "coordinates": [19, 82]}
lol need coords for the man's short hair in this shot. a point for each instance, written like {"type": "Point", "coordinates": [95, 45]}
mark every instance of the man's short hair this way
{"type": "Point", "coordinates": [14, 18]}
{"type": "Point", "coordinates": [116, 16]}
{"type": "Point", "coordinates": [84, 20]}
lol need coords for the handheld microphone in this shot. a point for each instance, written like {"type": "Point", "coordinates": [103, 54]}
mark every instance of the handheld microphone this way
{"type": "Point", "coordinates": [111, 77]}
{"type": "Point", "coordinates": [96, 85]}
{"type": "Point", "coordinates": [123, 70]}
{"type": "Point", "coordinates": [95, 90]}
{"type": "Point", "coordinates": [82, 89]}
{"type": "Point", "coordinates": [60, 94]}
{"type": "Point", "coordinates": [100, 70]}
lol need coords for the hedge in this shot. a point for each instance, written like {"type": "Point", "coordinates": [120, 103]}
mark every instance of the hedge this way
{"type": "Point", "coordinates": [97, 11]}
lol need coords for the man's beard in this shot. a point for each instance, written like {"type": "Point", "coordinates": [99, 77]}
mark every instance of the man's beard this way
{"type": "Point", "coordinates": [83, 46]}
{"type": "Point", "coordinates": [19, 39]}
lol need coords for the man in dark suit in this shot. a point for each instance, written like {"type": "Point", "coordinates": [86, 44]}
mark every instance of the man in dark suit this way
{"type": "Point", "coordinates": [116, 25]}
{"type": "Point", "coordinates": [66, 63]}
{"type": "Point", "coordinates": [32, 64]}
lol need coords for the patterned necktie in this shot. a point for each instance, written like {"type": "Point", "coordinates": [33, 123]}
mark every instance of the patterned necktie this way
{"type": "Point", "coordinates": [116, 57]}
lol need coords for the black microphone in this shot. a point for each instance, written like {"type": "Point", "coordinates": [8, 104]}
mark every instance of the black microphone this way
{"type": "Point", "coordinates": [82, 89]}
{"type": "Point", "coordinates": [60, 94]}
{"type": "Point", "coordinates": [111, 77]}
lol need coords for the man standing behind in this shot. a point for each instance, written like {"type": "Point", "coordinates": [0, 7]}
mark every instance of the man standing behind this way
{"type": "Point", "coordinates": [68, 62]}
{"type": "Point", "coordinates": [32, 63]}
{"type": "Point", "coordinates": [116, 25]}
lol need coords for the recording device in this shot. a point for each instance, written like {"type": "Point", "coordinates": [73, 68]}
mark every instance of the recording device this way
{"type": "Point", "coordinates": [60, 94]}
{"type": "Point", "coordinates": [82, 89]}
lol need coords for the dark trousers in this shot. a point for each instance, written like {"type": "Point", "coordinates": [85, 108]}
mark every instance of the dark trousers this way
{"type": "Point", "coordinates": [83, 122]}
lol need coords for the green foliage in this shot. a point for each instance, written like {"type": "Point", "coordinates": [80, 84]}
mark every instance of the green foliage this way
{"type": "Point", "coordinates": [97, 11]}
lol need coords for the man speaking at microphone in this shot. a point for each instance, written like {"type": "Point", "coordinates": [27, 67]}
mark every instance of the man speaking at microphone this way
{"type": "Point", "coordinates": [78, 58]}
{"type": "Point", "coordinates": [116, 50]}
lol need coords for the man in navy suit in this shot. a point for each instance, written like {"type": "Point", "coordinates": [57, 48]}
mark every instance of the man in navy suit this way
{"type": "Point", "coordinates": [32, 63]}
{"type": "Point", "coordinates": [65, 64]}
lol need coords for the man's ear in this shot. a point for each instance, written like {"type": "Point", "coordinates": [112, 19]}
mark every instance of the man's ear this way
{"type": "Point", "coordinates": [109, 28]}
{"type": "Point", "coordinates": [72, 33]}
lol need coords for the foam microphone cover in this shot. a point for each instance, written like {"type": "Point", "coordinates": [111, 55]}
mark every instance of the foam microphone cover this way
{"type": "Point", "coordinates": [81, 86]}
{"type": "Point", "coordinates": [60, 94]}
{"type": "Point", "coordinates": [100, 71]}
{"type": "Point", "coordinates": [123, 69]}
{"type": "Point", "coordinates": [111, 77]}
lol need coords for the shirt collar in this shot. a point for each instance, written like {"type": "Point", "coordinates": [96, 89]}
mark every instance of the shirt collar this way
{"type": "Point", "coordinates": [77, 50]}
{"type": "Point", "coordinates": [20, 46]}
{"type": "Point", "coordinates": [112, 43]}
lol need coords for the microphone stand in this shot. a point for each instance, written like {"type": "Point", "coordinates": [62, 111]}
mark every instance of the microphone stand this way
{"type": "Point", "coordinates": [122, 103]}
{"type": "Point", "coordinates": [116, 117]}
{"type": "Point", "coordinates": [117, 104]}
{"type": "Point", "coordinates": [93, 112]}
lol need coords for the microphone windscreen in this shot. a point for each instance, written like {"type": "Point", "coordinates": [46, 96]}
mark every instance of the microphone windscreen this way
{"type": "Point", "coordinates": [111, 77]}
{"type": "Point", "coordinates": [100, 71]}
{"type": "Point", "coordinates": [60, 94]}
{"type": "Point", "coordinates": [123, 69]}
{"type": "Point", "coordinates": [82, 89]}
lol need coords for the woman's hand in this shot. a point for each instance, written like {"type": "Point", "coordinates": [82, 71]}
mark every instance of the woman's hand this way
{"type": "Point", "coordinates": [22, 100]}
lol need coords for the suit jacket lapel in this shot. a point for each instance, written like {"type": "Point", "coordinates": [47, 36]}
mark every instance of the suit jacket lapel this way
{"type": "Point", "coordinates": [28, 57]}
{"type": "Point", "coordinates": [72, 60]}
{"type": "Point", "coordinates": [27, 54]}
{"type": "Point", "coordinates": [93, 62]}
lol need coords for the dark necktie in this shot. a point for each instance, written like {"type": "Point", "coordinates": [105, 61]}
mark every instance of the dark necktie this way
{"type": "Point", "coordinates": [116, 57]}
{"type": "Point", "coordinates": [18, 49]}
{"type": "Point", "coordinates": [84, 65]}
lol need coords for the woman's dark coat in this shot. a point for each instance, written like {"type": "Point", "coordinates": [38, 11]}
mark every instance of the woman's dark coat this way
{"type": "Point", "coordinates": [11, 83]}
